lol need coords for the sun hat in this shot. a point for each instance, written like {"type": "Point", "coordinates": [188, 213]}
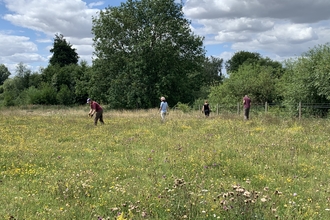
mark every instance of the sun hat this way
{"type": "Point", "coordinates": [88, 100]}
{"type": "Point", "coordinates": [162, 98]}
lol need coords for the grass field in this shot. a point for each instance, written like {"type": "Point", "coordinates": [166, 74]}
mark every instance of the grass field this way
{"type": "Point", "coordinates": [55, 164]}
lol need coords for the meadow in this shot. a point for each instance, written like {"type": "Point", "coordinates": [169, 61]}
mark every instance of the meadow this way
{"type": "Point", "coordinates": [55, 164]}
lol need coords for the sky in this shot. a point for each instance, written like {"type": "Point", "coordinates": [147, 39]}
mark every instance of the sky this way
{"type": "Point", "coordinates": [278, 29]}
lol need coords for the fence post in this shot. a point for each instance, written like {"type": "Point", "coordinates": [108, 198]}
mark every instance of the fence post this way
{"type": "Point", "coordinates": [299, 110]}
{"type": "Point", "coordinates": [218, 109]}
{"type": "Point", "coordinates": [266, 107]}
{"type": "Point", "coordinates": [238, 108]}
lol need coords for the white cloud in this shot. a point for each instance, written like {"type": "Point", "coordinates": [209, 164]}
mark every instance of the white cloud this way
{"type": "Point", "coordinates": [70, 18]}
{"type": "Point", "coordinates": [297, 11]}
{"type": "Point", "coordinates": [276, 28]}
{"type": "Point", "coordinates": [11, 44]}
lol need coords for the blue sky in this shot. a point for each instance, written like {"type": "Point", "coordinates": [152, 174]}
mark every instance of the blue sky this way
{"type": "Point", "coordinates": [278, 29]}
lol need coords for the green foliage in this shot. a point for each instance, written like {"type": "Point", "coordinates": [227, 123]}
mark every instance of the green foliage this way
{"type": "Point", "coordinates": [252, 79]}
{"type": "Point", "coordinates": [183, 107]}
{"type": "Point", "coordinates": [212, 71]}
{"type": "Point", "coordinates": [34, 95]}
{"type": "Point", "coordinates": [47, 95]}
{"type": "Point", "coordinates": [307, 78]}
{"type": "Point", "coordinates": [10, 93]}
{"type": "Point", "coordinates": [64, 96]}
{"type": "Point", "coordinates": [240, 58]}
{"type": "Point", "coordinates": [145, 49]}
{"type": "Point", "coordinates": [4, 73]}
{"type": "Point", "coordinates": [63, 53]}
{"type": "Point", "coordinates": [82, 78]}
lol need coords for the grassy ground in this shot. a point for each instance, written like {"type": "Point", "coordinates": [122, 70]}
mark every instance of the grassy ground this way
{"type": "Point", "coordinates": [55, 164]}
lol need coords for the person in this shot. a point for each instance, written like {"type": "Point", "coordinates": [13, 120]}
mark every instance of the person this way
{"type": "Point", "coordinates": [206, 108]}
{"type": "Point", "coordinates": [95, 109]}
{"type": "Point", "coordinates": [163, 108]}
{"type": "Point", "coordinates": [247, 105]}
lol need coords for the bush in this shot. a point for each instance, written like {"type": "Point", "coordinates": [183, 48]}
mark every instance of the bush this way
{"type": "Point", "coordinates": [183, 107]}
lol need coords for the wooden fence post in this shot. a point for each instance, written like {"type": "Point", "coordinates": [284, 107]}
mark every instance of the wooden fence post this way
{"type": "Point", "coordinates": [266, 107]}
{"type": "Point", "coordinates": [299, 110]}
{"type": "Point", "coordinates": [238, 108]}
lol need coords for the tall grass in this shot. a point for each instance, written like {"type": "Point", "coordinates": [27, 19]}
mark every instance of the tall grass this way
{"type": "Point", "coordinates": [55, 164]}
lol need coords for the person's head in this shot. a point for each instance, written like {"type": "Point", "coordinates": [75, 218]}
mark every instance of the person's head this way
{"type": "Point", "coordinates": [89, 100]}
{"type": "Point", "coordinates": [162, 99]}
{"type": "Point", "coordinates": [206, 101]}
{"type": "Point", "coordinates": [246, 96]}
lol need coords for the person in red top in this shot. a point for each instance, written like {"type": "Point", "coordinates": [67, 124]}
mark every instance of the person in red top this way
{"type": "Point", "coordinates": [95, 108]}
{"type": "Point", "coordinates": [247, 105]}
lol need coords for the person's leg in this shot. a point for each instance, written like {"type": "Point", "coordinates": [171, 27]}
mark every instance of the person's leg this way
{"type": "Point", "coordinates": [101, 117]}
{"type": "Point", "coordinates": [97, 117]}
{"type": "Point", "coordinates": [246, 113]}
{"type": "Point", "coordinates": [163, 114]}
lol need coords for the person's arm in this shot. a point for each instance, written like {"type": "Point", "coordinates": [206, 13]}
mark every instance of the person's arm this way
{"type": "Point", "coordinates": [203, 109]}
{"type": "Point", "coordinates": [91, 111]}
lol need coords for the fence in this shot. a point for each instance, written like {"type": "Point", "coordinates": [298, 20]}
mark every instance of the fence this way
{"type": "Point", "coordinates": [315, 109]}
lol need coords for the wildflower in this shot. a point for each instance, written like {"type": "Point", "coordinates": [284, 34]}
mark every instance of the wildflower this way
{"type": "Point", "coordinates": [247, 194]}
{"type": "Point", "coordinates": [278, 192]}
{"type": "Point", "coordinates": [263, 200]}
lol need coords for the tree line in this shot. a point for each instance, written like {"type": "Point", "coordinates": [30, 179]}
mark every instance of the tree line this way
{"type": "Point", "coordinates": [145, 49]}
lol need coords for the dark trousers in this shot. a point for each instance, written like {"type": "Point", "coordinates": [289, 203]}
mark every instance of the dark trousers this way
{"type": "Point", "coordinates": [99, 116]}
{"type": "Point", "coordinates": [246, 113]}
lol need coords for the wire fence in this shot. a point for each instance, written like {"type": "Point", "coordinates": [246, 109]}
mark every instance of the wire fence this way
{"type": "Point", "coordinates": [300, 110]}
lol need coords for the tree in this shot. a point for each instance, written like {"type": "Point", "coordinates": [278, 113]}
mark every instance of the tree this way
{"type": "Point", "coordinates": [212, 70]}
{"type": "Point", "coordinates": [63, 53]}
{"type": "Point", "coordinates": [307, 78]}
{"type": "Point", "coordinates": [4, 73]}
{"type": "Point", "coordinates": [239, 59]}
{"type": "Point", "coordinates": [254, 80]}
{"type": "Point", "coordinates": [145, 49]}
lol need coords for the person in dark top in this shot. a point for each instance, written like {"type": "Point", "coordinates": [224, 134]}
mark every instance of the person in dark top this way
{"type": "Point", "coordinates": [95, 108]}
{"type": "Point", "coordinates": [206, 108]}
{"type": "Point", "coordinates": [247, 105]}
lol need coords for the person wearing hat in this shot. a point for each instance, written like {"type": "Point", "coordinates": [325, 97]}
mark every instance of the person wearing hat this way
{"type": "Point", "coordinates": [95, 109]}
{"type": "Point", "coordinates": [163, 108]}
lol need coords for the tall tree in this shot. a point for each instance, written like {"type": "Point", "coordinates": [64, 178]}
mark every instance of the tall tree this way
{"type": "Point", "coordinates": [307, 78]}
{"type": "Point", "coordinates": [145, 49]}
{"type": "Point", "coordinates": [63, 53]}
{"type": "Point", "coordinates": [213, 70]}
{"type": "Point", "coordinates": [253, 79]}
{"type": "Point", "coordinates": [239, 59]}
{"type": "Point", "coordinates": [4, 73]}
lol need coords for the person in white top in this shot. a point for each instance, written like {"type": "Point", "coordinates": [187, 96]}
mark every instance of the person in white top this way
{"type": "Point", "coordinates": [163, 108]}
